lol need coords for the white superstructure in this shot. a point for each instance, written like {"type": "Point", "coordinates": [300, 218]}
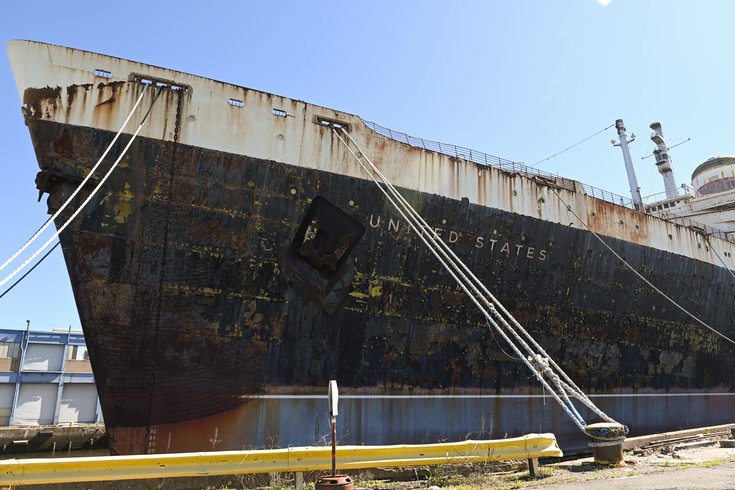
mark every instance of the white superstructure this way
{"type": "Point", "coordinates": [710, 200]}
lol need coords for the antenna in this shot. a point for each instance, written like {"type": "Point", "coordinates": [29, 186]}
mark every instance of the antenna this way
{"type": "Point", "coordinates": [623, 141]}
{"type": "Point", "coordinates": [670, 148]}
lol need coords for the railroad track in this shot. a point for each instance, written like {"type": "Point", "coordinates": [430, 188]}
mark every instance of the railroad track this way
{"type": "Point", "coordinates": [674, 442]}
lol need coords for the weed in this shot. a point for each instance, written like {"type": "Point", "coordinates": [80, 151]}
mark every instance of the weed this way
{"type": "Point", "coordinates": [437, 475]}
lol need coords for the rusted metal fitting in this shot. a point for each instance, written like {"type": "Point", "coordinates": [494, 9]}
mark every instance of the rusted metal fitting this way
{"type": "Point", "coordinates": [607, 442]}
{"type": "Point", "coordinates": [607, 452]}
{"type": "Point", "coordinates": [334, 481]}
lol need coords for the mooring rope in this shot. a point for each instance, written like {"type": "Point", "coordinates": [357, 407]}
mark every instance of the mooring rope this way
{"type": "Point", "coordinates": [573, 388]}
{"type": "Point", "coordinates": [88, 199]}
{"type": "Point", "coordinates": [461, 274]}
{"type": "Point", "coordinates": [79, 188]}
{"type": "Point", "coordinates": [640, 276]}
{"type": "Point", "coordinates": [40, 261]}
{"type": "Point", "coordinates": [706, 238]}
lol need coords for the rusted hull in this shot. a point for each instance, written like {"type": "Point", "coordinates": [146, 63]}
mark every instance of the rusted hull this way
{"type": "Point", "coordinates": [238, 259]}
{"type": "Point", "coordinates": [197, 288]}
{"type": "Point", "coordinates": [280, 421]}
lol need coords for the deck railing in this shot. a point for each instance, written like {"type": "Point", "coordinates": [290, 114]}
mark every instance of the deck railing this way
{"type": "Point", "coordinates": [696, 226]}
{"type": "Point", "coordinates": [481, 158]}
{"type": "Point", "coordinates": [681, 192]}
{"type": "Point", "coordinates": [604, 195]}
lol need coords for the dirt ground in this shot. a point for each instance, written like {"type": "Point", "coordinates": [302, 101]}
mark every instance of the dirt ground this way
{"type": "Point", "coordinates": [707, 467]}
{"type": "Point", "coordinates": [704, 467]}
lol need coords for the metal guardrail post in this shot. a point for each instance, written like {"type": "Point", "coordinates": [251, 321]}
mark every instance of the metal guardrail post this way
{"type": "Point", "coordinates": [533, 468]}
{"type": "Point", "coordinates": [299, 484]}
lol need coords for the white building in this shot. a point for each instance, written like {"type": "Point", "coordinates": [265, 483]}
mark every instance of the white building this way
{"type": "Point", "coordinates": [46, 379]}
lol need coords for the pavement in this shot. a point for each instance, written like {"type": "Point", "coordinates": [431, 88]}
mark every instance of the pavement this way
{"type": "Point", "coordinates": [691, 468]}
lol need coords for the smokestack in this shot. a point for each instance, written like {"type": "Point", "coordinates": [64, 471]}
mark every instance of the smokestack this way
{"type": "Point", "coordinates": [663, 161]}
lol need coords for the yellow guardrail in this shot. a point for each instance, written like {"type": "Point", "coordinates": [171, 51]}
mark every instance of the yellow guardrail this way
{"type": "Point", "coordinates": [295, 459]}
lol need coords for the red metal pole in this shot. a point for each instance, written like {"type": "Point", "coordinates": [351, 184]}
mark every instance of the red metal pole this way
{"type": "Point", "coordinates": [334, 446]}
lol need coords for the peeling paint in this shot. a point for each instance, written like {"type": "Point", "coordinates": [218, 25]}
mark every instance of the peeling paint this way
{"type": "Point", "coordinates": [220, 264]}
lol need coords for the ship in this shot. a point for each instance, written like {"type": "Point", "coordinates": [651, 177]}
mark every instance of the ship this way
{"type": "Point", "coordinates": [237, 259]}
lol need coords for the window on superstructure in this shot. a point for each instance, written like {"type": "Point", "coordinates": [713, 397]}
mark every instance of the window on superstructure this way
{"type": "Point", "coordinates": [102, 73]}
{"type": "Point", "coordinates": [280, 113]}
{"type": "Point", "coordinates": [236, 102]}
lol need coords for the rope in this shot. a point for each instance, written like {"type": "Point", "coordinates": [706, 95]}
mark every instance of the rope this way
{"type": "Point", "coordinates": [79, 188]}
{"type": "Point", "coordinates": [457, 269]}
{"type": "Point", "coordinates": [86, 201]}
{"type": "Point", "coordinates": [498, 344]}
{"type": "Point", "coordinates": [570, 147]}
{"type": "Point", "coordinates": [706, 238]}
{"type": "Point", "coordinates": [612, 442]}
{"type": "Point", "coordinates": [436, 241]}
{"type": "Point", "coordinates": [30, 270]}
{"type": "Point", "coordinates": [569, 208]}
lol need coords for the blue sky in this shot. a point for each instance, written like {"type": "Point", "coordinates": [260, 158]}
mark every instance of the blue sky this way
{"type": "Point", "coordinates": [518, 79]}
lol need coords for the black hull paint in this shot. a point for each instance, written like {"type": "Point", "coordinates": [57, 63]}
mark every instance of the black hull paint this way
{"type": "Point", "coordinates": [190, 300]}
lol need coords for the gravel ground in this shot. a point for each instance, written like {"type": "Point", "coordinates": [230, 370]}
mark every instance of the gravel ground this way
{"type": "Point", "coordinates": [707, 467]}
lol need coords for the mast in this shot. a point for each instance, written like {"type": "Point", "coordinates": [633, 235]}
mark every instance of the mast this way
{"type": "Point", "coordinates": [623, 141]}
{"type": "Point", "coordinates": [663, 161]}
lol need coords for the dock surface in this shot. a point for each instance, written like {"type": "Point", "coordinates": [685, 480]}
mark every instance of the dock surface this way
{"type": "Point", "coordinates": [711, 467]}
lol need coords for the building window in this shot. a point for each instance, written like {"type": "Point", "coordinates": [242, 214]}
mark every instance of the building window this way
{"type": "Point", "coordinates": [9, 350]}
{"type": "Point", "coordinates": [77, 353]}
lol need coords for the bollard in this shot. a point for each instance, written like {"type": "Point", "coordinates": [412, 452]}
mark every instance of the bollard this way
{"type": "Point", "coordinates": [607, 442]}
{"type": "Point", "coordinates": [607, 452]}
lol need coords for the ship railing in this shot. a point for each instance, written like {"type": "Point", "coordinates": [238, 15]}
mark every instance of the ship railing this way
{"type": "Point", "coordinates": [481, 158]}
{"type": "Point", "coordinates": [681, 192]}
{"type": "Point", "coordinates": [696, 226]}
{"type": "Point", "coordinates": [610, 197]}
{"type": "Point", "coordinates": [444, 148]}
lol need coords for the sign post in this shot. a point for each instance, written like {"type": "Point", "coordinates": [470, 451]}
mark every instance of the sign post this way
{"type": "Point", "coordinates": [333, 412]}
{"type": "Point", "coordinates": [334, 481]}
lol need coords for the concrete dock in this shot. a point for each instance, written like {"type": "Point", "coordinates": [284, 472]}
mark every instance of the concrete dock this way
{"type": "Point", "coordinates": [711, 467]}
{"type": "Point", "coordinates": [19, 440]}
